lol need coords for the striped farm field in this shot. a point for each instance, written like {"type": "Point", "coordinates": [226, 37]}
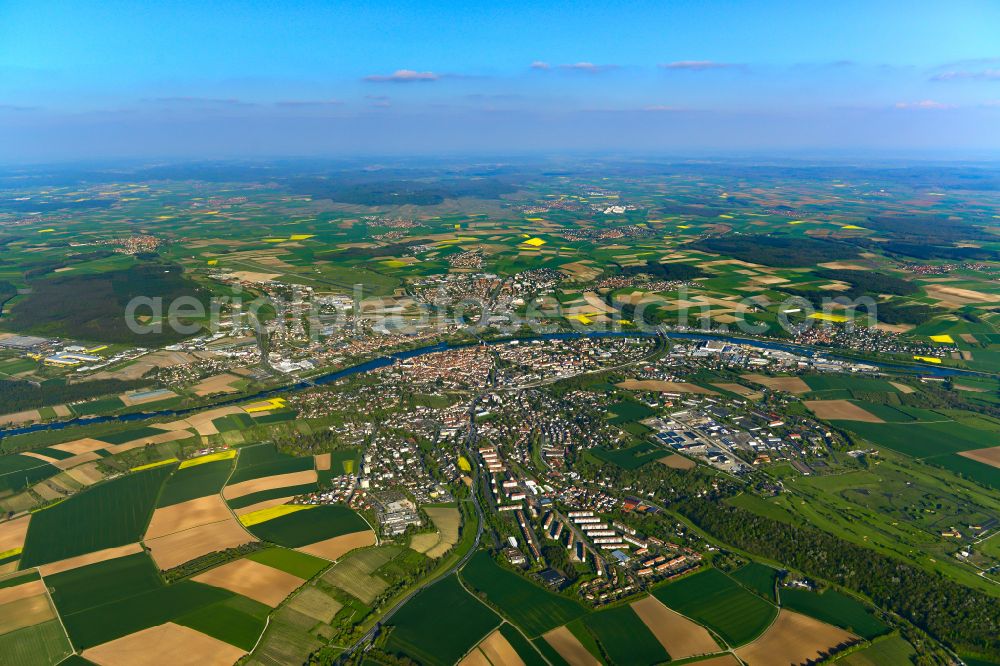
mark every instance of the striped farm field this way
{"type": "Point", "coordinates": [291, 561]}
{"type": "Point", "coordinates": [624, 637]}
{"type": "Point", "coordinates": [302, 528]}
{"type": "Point", "coordinates": [271, 494]}
{"type": "Point", "coordinates": [39, 645]}
{"type": "Point", "coordinates": [355, 575]}
{"type": "Point", "coordinates": [264, 515]}
{"type": "Point", "coordinates": [717, 601]}
{"type": "Point", "coordinates": [109, 600]}
{"type": "Point", "coordinates": [440, 624]}
{"type": "Point", "coordinates": [258, 461]}
{"type": "Point", "coordinates": [758, 578]}
{"type": "Point", "coordinates": [188, 483]}
{"type": "Point", "coordinates": [534, 609]}
{"type": "Point", "coordinates": [836, 609]}
{"type": "Point", "coordinates": [109, 514]}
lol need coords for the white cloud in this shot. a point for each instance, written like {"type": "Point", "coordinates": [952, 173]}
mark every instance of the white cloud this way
{"type": "Point", "coordinates": [403, 76]}
{"type": "Point", "coordinates": [924, 104]}
{"type": "Point", "coordinates": [698, 65]}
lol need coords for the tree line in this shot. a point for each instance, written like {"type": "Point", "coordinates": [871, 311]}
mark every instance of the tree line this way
{"type": "Point", "coordinates": [962, 617]}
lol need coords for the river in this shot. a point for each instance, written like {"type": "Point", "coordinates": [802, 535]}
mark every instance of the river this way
{"type": "Point", "coordinates": [383, 361]}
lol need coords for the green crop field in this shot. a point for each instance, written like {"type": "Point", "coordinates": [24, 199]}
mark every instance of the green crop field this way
{"type": "Point", "coordinates": [344, 462]}
{"type": "Point", "coordinates": [100, 406]}
{"type": "Point", "coordinates": [534, 609]}
{"type": "Point", "coordinates": [105, 623]}
{"type": "Point", "coordinates": [39, 645]}
{"type": "Point", "coordinates": [628, 410]}
{"type": "Point", "coordinates": [305, 527]}
{"type": "Point", "coordinates": [835, 608]}
{"type": "Point", "coordinates": [17, 472]}
{"type": "Point", "coordinates": [57, 454]}
{"type": "Point", "coordinates": [298, 564]}
{"type": "Point", "coordinates": [714, 599]}
{"type": "Point", "coordinates": [440, 624]}
{"type": "Point", "coordinates": [255, 462]}
{"type": "Point", "coordinates": [107, 600]}
{"type": "Point", "coordinates": [624, 637]}
{"type": "Point", "coordinates": [238, 621]}
{"type": "Point", "coordinates": [109, 514]}
{"type": "Point", "coordinates": [232, 422]}
{"type": "Point", "coordinates": [274, 493]}
{"type": "Point", "coordinates": [286, 465]}
{"type": "Point", "coordinates": [920, 440]}
{"type": "Point", "coordinates": [258, 454]}
{"type": "Point", "coordinates": [194, 482]}
{"type": "Point", "coordinates": [128, 435]}
{"type": "Point", "coordinates": [632, 457]}
{"type": "Point", "coordinates": [970, 469]}
{"type": "Point", "coordinates": [758, 578]}
{"type": "Point", "coordinates": [883, 652]}
{"type": "Point", "coordinates": [102, 583]}
{"type": "Point", "coordinates": [832, 382]}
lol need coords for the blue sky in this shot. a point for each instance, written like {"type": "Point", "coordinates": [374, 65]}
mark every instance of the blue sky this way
{"type": "Point", "coordinates": [221, 79]}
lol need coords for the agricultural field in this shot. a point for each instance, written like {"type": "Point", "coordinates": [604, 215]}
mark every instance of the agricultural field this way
{"type": "Point", "coordinates": [715, 600]}
{"type": "Point", "coordinates": [114, 599]}
{"type": "Point", "coordinates": [30, 631]}
{"type": "Point", "coordinates": [632, 457]}
{"type": "Point", "coordinates": [192, 482]}
{"type": "Point", "coordinates": [107, 515]}
{"type": "Point", "coordinates": [889, 650]}
{"type": "Point", "coordinates": [440, 624]}
{"type": "Point", "coordinates": [834, 608]}
{"type": "Point", "coordinates": [624, 637]}
{"type": "Point", "coordinates": [529, 606]}
{"type": "Point", "coordinates": [328, 531]}
{"type": "Point", "coordinates": [291, 561]}
{"type": "Point", "coordinates": [447, 521]}
{"type": "Point", "coordinates": [795, 639]}
{"type": "Point", "coordinates": [679, 636]}
{"type": "Point", "coordinates": [758, 578]}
